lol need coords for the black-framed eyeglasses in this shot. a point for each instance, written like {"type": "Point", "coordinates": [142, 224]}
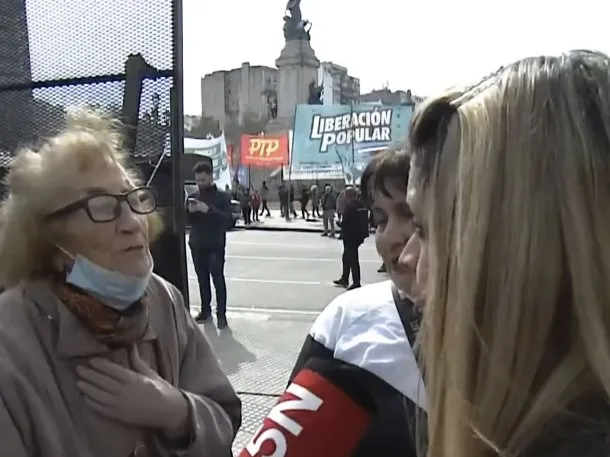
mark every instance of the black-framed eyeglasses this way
{"type": "Point", "coordinates": [107, 207]}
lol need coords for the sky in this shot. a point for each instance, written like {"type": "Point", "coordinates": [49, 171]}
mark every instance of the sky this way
{"type": "Point", "coordinates": [425, 46]}
{"type": "Point", "coordinates": [422, 45]}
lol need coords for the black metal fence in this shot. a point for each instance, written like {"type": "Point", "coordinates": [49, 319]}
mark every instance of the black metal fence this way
{"type": "Point", "coordinates": [56, 55]}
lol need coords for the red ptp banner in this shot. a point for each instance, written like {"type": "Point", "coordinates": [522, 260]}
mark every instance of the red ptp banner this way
{"type": "Point", "coordinates": [264, 150]}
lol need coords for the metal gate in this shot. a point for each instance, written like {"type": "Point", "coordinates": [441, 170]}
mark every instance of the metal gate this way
{"type": "Point", "coordinates": [59, 54]}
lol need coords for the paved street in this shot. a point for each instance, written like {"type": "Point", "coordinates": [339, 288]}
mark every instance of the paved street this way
{"type": "Point", "coordinates": [285, 270]}
{"type": "Point", "coordinates": [277, 283]}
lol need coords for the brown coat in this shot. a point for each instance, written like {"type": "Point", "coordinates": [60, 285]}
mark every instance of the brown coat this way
{"type": "Point", "coordinates": [42, 413]}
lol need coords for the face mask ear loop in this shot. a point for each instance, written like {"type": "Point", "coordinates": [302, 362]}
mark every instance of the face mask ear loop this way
{"type": "Point", "coordinates": [64, 267]}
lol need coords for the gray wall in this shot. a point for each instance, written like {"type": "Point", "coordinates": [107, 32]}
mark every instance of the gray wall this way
{"type": "Point", "coordinates": [233, 93]}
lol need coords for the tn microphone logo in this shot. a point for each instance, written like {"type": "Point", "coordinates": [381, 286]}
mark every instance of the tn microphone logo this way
{"type": "Point", "coordinates": [305, 401]}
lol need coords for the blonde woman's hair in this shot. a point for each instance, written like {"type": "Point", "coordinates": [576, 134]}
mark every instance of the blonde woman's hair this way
{"type": "Point", "coordinates": [517, 321]}
{"type": "Point", "coordinates": [37, 180]}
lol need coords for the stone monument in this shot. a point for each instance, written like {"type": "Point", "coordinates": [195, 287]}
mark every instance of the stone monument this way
{"type": "Point", "coordinates": [297, 68]}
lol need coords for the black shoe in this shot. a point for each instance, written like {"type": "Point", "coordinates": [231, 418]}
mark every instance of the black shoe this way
{"type": "Point", "coordinates": [222, 323]}
{"type": "Point", "coordinates": [382, 269]}
{"type": "Point", "coordinates": [354, 286]}
{"type": "Point", "coordinates": [202, 318]}
{"type": "Point", "coordinates": [340, 282]}
{"type": "Point", "coordinates": [324, 234]}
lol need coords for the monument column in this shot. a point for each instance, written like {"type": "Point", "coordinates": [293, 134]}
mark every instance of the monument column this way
{"type": "Point", "coordinates": [297, 68]}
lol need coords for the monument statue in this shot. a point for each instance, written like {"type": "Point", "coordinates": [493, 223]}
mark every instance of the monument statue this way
{"type": "Point", "coordinates": [297, 65]}
{"type": "Point", "coordinates": [294, 8]}
{"type": "Point", "coordinates": [315, 94]}
{"type": "Point", "coordinates": [295, 27]}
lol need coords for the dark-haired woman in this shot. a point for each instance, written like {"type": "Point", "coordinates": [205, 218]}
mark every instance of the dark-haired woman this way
{"type": "Point", "coordinates": [361, 344]}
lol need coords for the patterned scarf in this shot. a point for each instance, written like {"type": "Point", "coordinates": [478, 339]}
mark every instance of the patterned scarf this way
{"type": "Point", "coordinates": [107, 324]}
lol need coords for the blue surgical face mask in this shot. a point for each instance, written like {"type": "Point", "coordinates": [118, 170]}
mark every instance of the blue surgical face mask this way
{"type": "Point", "coordinates": [114, 289]}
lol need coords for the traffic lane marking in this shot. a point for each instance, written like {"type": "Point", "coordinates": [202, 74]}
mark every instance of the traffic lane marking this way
{"type": "Point", "coordinates": [293, 259]}
{"type": "Point", "coordinates": [312, 247]}
{"type": "Point", "coordinates": [257, 313]}
{"type": "Point", "coordinates": [275, 281]}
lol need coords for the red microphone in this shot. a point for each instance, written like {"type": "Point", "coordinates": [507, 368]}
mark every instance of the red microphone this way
{"type": "Point", "coordinates": [314, 417]}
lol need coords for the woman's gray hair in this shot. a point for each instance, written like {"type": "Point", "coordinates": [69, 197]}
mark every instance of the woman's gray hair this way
{"type": "Point", "coordinates": [38, 181]}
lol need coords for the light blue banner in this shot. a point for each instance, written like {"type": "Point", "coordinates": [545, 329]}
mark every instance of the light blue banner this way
{"type": "Point", "coordinates": [243, 176]}
{"type": "Point", "coordinates": [346, 135]}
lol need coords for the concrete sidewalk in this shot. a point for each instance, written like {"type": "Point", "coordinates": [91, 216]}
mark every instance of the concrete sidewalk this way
{"type": "Point", "coordinates": [277, 223]}
{"type": "Point", "coordinates": [258, 354]}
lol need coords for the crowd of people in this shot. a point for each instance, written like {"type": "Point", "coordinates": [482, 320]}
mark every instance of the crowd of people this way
{"type": "Point", "coordinates": [344, 209]}
{"type": "Point", "coordinates": [208, 234]}
{"type": "Point", "coordinates": [325, 203]}
{"type": "Point", "coordinates": [491, 337]}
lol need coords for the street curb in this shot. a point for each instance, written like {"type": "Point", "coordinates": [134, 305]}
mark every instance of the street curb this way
{"type": "Point", "coordinates": [263, 228]}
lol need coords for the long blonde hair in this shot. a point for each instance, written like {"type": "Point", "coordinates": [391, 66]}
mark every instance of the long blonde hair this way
{"type": "Point", "coordinates": [517, 321]}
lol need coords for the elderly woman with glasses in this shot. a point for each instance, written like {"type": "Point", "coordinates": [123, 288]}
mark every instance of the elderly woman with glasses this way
{"type": "Point", "coordinates": [98, 356]}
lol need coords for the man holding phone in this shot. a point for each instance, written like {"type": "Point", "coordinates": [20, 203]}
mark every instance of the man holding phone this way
{"type": "Point", "coordinates": [209, 214]}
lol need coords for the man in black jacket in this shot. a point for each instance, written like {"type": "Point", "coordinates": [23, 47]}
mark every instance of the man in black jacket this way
{"type": "Point", "coordinates": [209, 214]}
{"type": "Point", "coordinates": [354, 229]}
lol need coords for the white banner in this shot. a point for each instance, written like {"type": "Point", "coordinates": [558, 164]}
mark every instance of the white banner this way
{"type": "Point", "coordinates": [216, 149]}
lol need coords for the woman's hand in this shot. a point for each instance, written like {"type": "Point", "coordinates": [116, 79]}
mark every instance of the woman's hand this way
{"type": "Point", "coordinates": [141, 397]}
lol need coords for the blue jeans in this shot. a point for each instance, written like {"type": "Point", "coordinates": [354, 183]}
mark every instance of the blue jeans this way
{"type": "Point", "coordinates": [211, 262]}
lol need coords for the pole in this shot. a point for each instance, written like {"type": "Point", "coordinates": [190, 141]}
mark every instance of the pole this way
{"type": "Point", "coordinates": [177, 148]}
{"type": "Point", "coordinates": [136, 70]}
{"type": "Point", "coordinates": [351, 105]}
{"type": "Point", "coordinates": [238, 167]}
